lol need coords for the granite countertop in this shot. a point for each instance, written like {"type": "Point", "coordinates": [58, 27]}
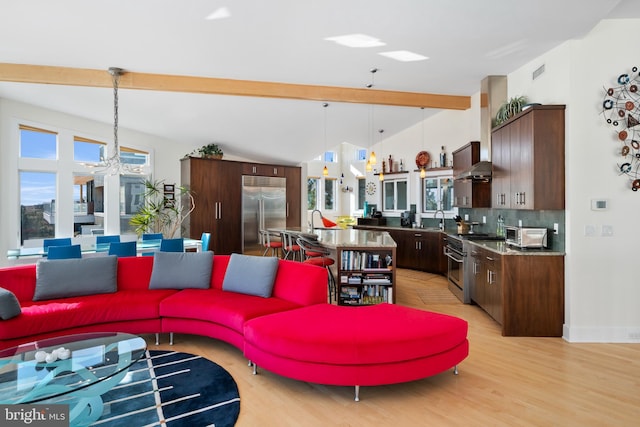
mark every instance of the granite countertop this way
{"type": "Point", "coordinates": [503, 249]}
{"type": "Point", "coordinates": [389, 227]}
{"type": "Point", "coordinates": [353, 238]}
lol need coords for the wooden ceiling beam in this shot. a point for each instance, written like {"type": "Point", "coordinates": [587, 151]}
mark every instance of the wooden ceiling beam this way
{"type": "Point", "coordinates": [43, 74]}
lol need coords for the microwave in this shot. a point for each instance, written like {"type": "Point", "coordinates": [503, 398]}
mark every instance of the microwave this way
{"type": "Point", "coordinates": [526, 237]}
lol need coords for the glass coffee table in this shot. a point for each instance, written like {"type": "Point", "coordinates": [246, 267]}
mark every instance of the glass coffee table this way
{"type": "Point", "coordinates": [85, 367]}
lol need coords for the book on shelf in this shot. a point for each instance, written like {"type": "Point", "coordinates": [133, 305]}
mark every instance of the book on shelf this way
{"type": "Point", "coordinates": [356, 260]}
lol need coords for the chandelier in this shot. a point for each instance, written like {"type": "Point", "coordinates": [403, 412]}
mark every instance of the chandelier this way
{"type": "Point", "coordinates": [113, 164]}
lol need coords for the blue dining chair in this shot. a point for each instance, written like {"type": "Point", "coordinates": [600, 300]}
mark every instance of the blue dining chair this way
{"type": "Point", "coordinates": [62, 241]}
{"type": "Point", "coordinates": [64, 252]}
{"type": "Point", "coordinates": [205, 239]}
{"type": "Point", "coordinates": [122, 249]}
{"type": "Point", "coordinates": [107, 239]}
{"type": "Point", "coordinates": [172, 245]}
{"type": "Point", "coordinates": [152, 236]}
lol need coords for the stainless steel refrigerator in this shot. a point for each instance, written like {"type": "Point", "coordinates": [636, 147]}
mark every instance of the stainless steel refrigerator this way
{"type": "Point", "coordinates": [264, 206]}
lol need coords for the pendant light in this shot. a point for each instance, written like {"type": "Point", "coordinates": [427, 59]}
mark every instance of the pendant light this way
{"type": "Point", "coordinates": [372, 156]}
{"type": "Point", "coordinates": [423, 172]}
{"type": "Point", "coordinates": [325, 170]}
{"type": "Point", "coordinates": [381, 176]}
{"type": "Point", "coordinates": [113, 164]}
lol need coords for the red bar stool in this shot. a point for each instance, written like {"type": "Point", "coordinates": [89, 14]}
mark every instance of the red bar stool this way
{"type": "Point", "coordinates": [314, 254]}
{"type": "Point", "coordinates": [274, 246]}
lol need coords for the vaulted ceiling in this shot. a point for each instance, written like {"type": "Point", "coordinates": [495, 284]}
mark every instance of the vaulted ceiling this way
{"type": "Point", "coordinates": [279, 41]}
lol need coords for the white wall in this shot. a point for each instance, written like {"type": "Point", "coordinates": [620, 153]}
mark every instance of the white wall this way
{"type": "Point", "coordinates": [602, 292]}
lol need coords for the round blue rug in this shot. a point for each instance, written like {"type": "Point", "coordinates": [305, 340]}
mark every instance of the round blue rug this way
{"type": "Point", "coordinates": [172, 389]}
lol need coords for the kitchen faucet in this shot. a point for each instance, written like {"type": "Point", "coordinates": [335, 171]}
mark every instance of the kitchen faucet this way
{"type": "Point", "coordinates": [441, 225]}
{"type": "Point", "coordinates": [312, 212]}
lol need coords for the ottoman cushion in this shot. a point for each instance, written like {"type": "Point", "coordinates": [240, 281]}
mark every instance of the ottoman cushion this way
{"type": "Point", "coordinates": [329, 334]}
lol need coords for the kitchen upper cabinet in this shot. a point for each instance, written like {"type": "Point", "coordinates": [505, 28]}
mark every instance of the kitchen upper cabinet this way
{"type": "Point", "coordinates": [469, 194]}
{"type": "Point", "coordinates": [216, 188]}
{"type": "Point", "coordinates": [527, 153]}
{"type": "Point", "coordinates": [261, 169]}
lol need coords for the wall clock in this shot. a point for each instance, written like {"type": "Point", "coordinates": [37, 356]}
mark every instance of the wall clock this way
{"type": "Point", "coordinates": [621, 109]}
{"type": "Point", "coordinates": [371, 188]}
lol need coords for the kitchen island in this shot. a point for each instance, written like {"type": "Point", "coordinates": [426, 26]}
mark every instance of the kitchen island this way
{"type": "Point", "coordinates": [365, 263]}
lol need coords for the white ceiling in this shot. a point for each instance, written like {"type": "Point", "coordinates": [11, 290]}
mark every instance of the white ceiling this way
{"type": "Point", "coordinates": [280, 41]}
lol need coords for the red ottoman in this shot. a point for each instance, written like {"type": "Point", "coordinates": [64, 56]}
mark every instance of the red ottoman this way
{"type": "Point", "coordinates": [371, 345]}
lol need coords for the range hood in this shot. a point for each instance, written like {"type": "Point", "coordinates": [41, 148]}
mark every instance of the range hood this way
{"type": "Point", "coordinates": [480, 171]}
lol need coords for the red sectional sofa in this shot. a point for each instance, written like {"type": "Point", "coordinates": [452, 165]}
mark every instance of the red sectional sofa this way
{"type": "Point", "coordinates": [293, 332]}
{"type": "Point", "coordinates": [135, 308]}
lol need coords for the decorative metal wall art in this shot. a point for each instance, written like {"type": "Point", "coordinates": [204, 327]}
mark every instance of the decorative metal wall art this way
{"type": "Point", "coordinates": [621, 109]}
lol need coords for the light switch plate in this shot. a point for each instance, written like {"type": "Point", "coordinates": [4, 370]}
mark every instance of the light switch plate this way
{"type": "Point", "coordinates": [589, 230]}
{"type": "Point", "coordinates": [607, 230]}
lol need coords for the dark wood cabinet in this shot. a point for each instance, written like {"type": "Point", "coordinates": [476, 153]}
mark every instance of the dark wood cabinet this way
{"type": "Point", "coordinates": [261, 169]}
{"type": "Point", "coordinates": [527, 153]}
{"type": "Point", "coordinates": [469, 194]}
{"type": "Point", "coordinates": [294, 195]}
{"type": "Point", "coordinates": [217, 188]}
{"type": "Point", "coordinates": [216, 185]}
{"type": "Point", "coordinates": [419, 250]}
{"type": "Point", "coordinates": [523, 293]}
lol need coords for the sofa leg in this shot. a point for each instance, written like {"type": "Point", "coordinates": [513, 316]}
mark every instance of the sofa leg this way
{"type": "Point", "coordinates": [255, 369]}
{"type": "Point", "coordinates": [157, 338]}
{"type": "Point", "coordinates": [455, 370]}
{"type": "Point", "coordinates": [170, 338]}
{"type": "Point", "coordinates": [357, 399]}
{"type": "Point", "coordinates": [250, 364]}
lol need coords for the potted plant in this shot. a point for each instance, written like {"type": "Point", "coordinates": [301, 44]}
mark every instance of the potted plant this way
{"type": "Point", "coordinates": [209, 151]}
{"type": "Point", "coordinates": [163, 212]}
{"type": "Point", "coordinates": [510, 109]}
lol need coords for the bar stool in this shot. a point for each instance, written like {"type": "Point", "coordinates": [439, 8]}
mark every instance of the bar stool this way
{"type": "Point", "coordinates": [290, 246]}
{"type": "Point", "coordinates": [315, 254]}
{"type": "Point", "coordinates": [270, 245]}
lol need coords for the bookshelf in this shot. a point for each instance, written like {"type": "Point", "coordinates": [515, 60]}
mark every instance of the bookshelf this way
{"type": "Point", "coordinates": [366, 277]}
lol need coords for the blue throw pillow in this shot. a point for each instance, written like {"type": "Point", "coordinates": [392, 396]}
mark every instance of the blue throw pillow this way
{"type": "Point", "coordinates": [64, 278]}
{"type": "Point", "coordinates": [252, 275]}
{"type": "Point", "coordinates": [9, 305]}
{"type": "Point", "coordinates": [181, 270]}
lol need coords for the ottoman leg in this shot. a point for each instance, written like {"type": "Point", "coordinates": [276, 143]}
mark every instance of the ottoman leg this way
{"type": "Point", "coordinates": [157, 338]}
{"type": "Point", "coordinates": [170, 338]}
{"type": "Point", "coordinates": [357, 399]}
{"type": "Point", "coordinates": [255, 369]}
{"type": "Point", "coordinates": [455, 370]}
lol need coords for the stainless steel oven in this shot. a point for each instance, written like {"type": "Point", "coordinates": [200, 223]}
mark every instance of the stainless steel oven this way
{"type": "Point", "coordinates": [454, 251]}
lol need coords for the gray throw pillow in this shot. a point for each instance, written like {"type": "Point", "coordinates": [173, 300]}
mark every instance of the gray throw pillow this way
{"type": "Point", "coordinates": [64, 278]}
{"type": "Point", "coordinates": [9, 305]}
{"type": "Point", "coordinates": [181, 270]}
{"type": "Point", "coordinates": [249, 274]}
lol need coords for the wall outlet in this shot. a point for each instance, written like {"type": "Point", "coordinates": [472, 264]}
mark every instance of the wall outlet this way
{"type": "Point", "coordinates": [555, 228]}
{"type": "Point", "coordinates": [519, 223]}
{"type": "Point", "coordinates": [607, 230]}
{"type": "Point", "coordinates": [484, 219]}
{"type": "Point", "coordinates": [466, 217]}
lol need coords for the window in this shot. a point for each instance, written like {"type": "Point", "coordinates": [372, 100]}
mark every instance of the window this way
{"type": "Point", "coordinates": [38, 143]}
{"type": "Point", "coordinates": [131, 156]}
{"type": "Point", "coordinates": [330, 157]}
{"type": "Point", "coordinates": [88, 151]}
{"type": "Point", "coordinates": [131, 200]}
{"type": "Point", "coordinates": [362, 182]}
{"type": "Point", "coordinates": [37, 205]}
{"type": "Point", "coordinates": [329, 194]}
{"type": "Point", "coordinates": [361, 154]}
{"type": "Point", "coordinates": [437, 194]}
{"type": "Point", "coordinates": [313, 189]}
{"type": "Point", "coordinates": [395, 195]}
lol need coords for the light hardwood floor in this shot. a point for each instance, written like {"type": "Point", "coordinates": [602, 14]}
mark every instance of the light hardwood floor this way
{"type": "Point", "coordinates": [503, 382]}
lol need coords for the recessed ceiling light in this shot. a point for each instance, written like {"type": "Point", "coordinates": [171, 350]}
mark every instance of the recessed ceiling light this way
{"type": "Point", "coordinates": [356, 40]}
{"type": "Point", "coordinates": [404, 56]}
{"type": "Point", "coordinates": [219, 13]}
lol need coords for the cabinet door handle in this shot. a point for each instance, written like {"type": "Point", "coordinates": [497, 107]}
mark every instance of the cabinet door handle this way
{"type": "Point", "coordinates": [287, 209]}
{"type": "Point", "coordinates": [490, 275]}
{"type": "Point", "coordinates": [522, 198]}
{"type": "Point", "coordinates": [275, 171]}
